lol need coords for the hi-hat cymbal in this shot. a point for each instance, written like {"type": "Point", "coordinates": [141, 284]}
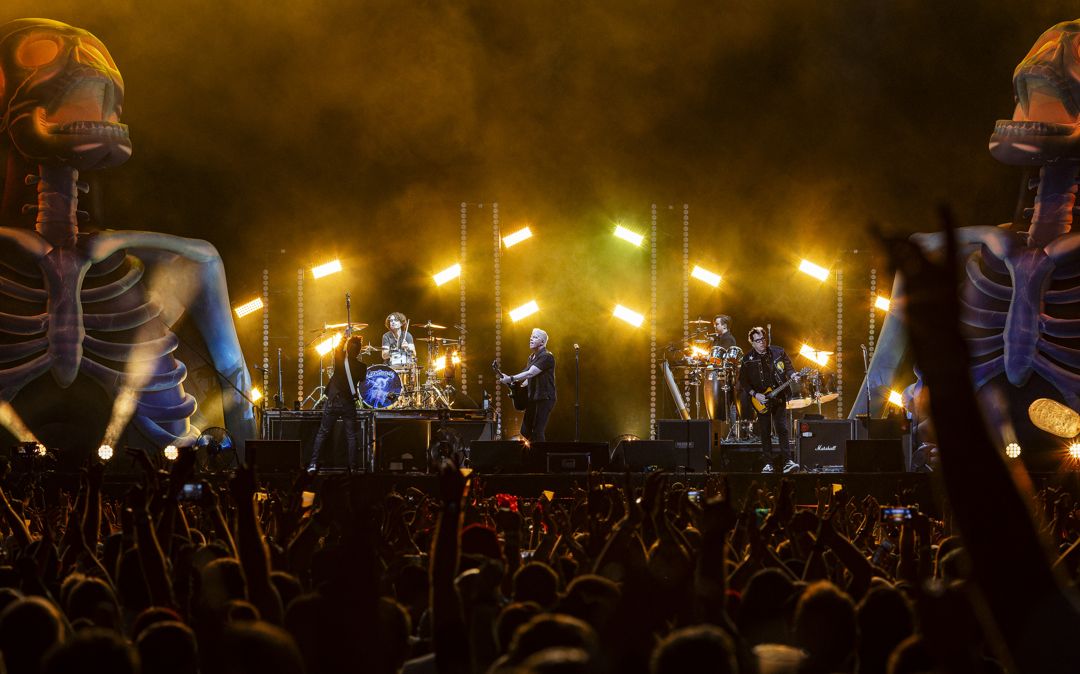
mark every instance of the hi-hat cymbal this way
{"type": "Point", "coordinates": [449, 342]}
{"type": "Point", "coordinates": [427, 339]}
{"type": "Point", "coordinates": [430, 326]}
{"type": "Point", "coordinates": [369, 349]}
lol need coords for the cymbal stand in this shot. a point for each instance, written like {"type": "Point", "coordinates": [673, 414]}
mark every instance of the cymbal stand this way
{"type": "Point", "coordinates": [318, 395]}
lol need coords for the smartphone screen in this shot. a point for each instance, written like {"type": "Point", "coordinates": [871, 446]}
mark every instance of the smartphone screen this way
{"type": "Point", "coordinates": [694, 495]}
{"type": "Point", "coordinates": [191, 491]}
{"type": "Point", "coordinates": [307, 499]}
{"type": "Point", "coordinates": [895, 513]}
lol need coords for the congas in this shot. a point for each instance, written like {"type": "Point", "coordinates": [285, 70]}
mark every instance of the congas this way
{"type": "Point", "coordinates": [719, 394]}
{"type": "Point", "coordinates": [733, 355]}
{"type": "Point", "coordinates": [381, 387]}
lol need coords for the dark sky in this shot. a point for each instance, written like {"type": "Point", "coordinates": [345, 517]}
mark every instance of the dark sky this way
{"type": "Point", "coordinates": [359, 128]}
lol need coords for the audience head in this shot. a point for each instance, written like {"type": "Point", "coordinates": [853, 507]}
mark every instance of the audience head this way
{"type": "Point", "coordinates": [689, 648]}
{"type": "Point", "coordinates": [29, 627]}
{"type": "Point", "coordinates": [884, 619]}
{"type": "Point", "coordinates": [536, 582]}
{"type": "Point", "coordinates": [92, 651]}
{"type": "Point", "coordinates": [168, 647]}
{"type": "Point", "coordinates": [254, 648]}
{"type": "Point", "coordinates": [825, 627]}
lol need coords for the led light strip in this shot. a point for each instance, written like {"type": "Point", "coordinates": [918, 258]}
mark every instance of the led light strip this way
{"type": "Point", "coordinates": [652, 327]}
{"type": "Point", "coordinates": [497, 252]}
{"type": "Point", "coordinates": [300, 334]}
{"type": "Point", "coordinates": [463, 335]}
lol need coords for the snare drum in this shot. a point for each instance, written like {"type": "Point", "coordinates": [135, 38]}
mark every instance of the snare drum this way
{"type": "Point", "coordinates": [381, 387]}
{"type": "Point", "coordinates": [400, 359]}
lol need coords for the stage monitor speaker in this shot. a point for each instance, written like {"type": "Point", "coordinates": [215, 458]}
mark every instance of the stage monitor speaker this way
{"type": "Point", "coordinates": [272, 456]}
{"type": "Point", "coordinates": [536, 456]}
{"type": "Point", "coordinates": [637, 455]}
{"type": "Point", "coordinates": [823, 444]}
{"type": "Point", "coordinates": [875, 456]}
{"type": "Point", "coordinates": [692, 439]}
{"type": "Point", "coordinates": [401, 445]}
{"type": "Point", "coordinates": [497, 456]}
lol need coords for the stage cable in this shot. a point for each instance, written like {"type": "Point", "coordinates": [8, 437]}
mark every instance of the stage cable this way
{"type": "Point", "coordinates": [652, 327]}
{"type": "Point", "coordinates": [462, 334]}
{"type": "Point", "coordinates": [497, 253]}
{"type": "Point", "coordinates": [839, 342]}
{"type": "Point", "coordinates": [300, 334]}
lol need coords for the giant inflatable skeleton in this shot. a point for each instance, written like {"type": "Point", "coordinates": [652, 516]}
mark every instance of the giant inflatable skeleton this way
{"type": "Point", "coordinates": [1021, 290]}
{"type": "Point", "coordinates": [76, 304]}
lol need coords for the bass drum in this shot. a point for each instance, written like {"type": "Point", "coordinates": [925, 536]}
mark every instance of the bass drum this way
{"type": "Point", "coordinates": [381, 387]}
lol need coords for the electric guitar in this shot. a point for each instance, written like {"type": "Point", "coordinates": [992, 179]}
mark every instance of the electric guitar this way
{"type": "Point", "coordinates": [520, 394]}
{"type": "Point", "coordinates": [772, 393]}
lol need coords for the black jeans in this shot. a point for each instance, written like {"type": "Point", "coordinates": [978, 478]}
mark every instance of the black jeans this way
{"type": "Point", "coordinates": [536, 418]}
{"type": "Point", "coordinates": [337, 407]}
{"type": "Point", "coordinates": [765, 423]}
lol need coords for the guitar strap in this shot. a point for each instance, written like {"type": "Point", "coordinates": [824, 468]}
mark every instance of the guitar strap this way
{"type": "Point", "coordinates": [348, 375]}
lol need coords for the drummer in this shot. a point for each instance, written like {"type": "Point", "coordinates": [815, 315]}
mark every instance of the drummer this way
{"type": "Point", "coordinates": [398, 347]}
{"type": "Point", "coordinates": [723, 337]}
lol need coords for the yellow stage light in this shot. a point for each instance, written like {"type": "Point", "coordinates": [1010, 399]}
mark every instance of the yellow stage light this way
{"type": "Point", "coordinates": [105, 452]}
{"type": "Point", "coordinates": [819, 357]}
{"type": "Point", "coordinates": [706, 276]}
{"type": "Point", "coordinates": [1012, 450]}
{"type": "Point", "coordinates": [447, 274]}
{"type": "Point", "coordinates": [1074, 450]}
{"type": "Point", "coordinates": [527, 309]}
{"type": "Point", "coordinates": [818, 272]}
{"type": "Point", "coordinates": [331, 267]}
{"type": "Point", "coordinates": [327, 345]}
{"type": "Point", "coordinates": [171, 452]}
{"type": "Point", "coordinates": [456, 358]}
{"type": "Point", "coordinates": [256, 395]}
{"type": "Point", "coordinates": [630, 316]}
{"type": "Point", "coordinates": [248, 307]}
{"type": "Point", "coordinates": [881, 303]}
{"type": "Point", "coordinates": [440, 363]}
{"type": "Point", "coordinates": [626, 235]}
{"type": "Point", "coordinates": [39, 449]}
{"type": "Point", "coordinates": [517, 237]}
{"type": "Point", "coordinates": [896, 399]}
{"type": "Point", "coordinates": [698, 351]}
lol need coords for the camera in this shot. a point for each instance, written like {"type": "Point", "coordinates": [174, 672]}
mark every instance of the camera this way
{"type": "Point", "coordinates": [694, 495]}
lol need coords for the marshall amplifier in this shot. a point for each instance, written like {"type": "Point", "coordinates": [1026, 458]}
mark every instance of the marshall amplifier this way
{"type": "Point", "coordinates": [823, 444]}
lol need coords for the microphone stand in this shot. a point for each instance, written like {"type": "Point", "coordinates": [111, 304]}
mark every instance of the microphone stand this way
{"type": "Point", "coordinates": [279, 399]}
{"type": "Point", "coordinates": [577, 392]}
{"type": "Point", "coordinates": [866, 381]}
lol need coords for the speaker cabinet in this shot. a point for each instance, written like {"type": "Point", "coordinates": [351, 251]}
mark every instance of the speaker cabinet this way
{"type": "Point", "coordinates": [876, 456]}
{"type": "Point", "coordinates": [823, 444]}
{"type": "Point", "coordinates": [536, 457]}
{"type": "Point", "coordinates": [692, 440]}
{"type": "Point", "coordinates": [274, 455]}
{"type": "Point", "coordinates": [497, 456]}
{"type": "Point", "coordinates": [637, 455]}
{"type": "Point", "coordinates": [401, 445]}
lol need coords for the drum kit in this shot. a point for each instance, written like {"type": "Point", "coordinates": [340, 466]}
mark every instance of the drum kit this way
{"type": "Point", "coordinates": [402, 382]}
{"type": "Point", "coordinates": [713, 372]}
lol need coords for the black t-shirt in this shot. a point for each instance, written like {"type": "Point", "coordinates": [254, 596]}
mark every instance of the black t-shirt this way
{"type": "Point", "coordinates": [389, 341]}
{"type": "Point", "coordinates": [542, 386]}
{"type": "Point", "coordinates": [339, 383]}
{"type": "Point", "coordinates": [760, 372]}
{"type": "Point", "coordinates": [725, 340]}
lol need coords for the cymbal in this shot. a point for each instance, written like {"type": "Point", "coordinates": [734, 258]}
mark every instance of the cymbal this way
{"type": "Point", "coordinates": [431, 326]}
{"type": "Point", "coordinates": [699, 321]}
{"type": "Point", "coordinates": [448, 342]}
{"type": "Point", "coordinates": [369, 349]}
{"type": "Point", "coordinates": [334, 326]}
{"type": "Point", "coordinates": [799, 403]}
{"type": "Point", "coordinates": [822, 353]}
{"type": "Point", "coordinates": [828, 398]}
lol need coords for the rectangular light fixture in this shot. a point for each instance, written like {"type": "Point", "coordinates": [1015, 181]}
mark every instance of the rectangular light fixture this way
{"type": "Point", "coordinates": [896, 399]}
{"type": "Point", "coordinates": [626, 235]}
{"type": "Point", "coordinates": [256, 395]}
{"type": "Point", "coordinates": [249, 307]}
{"type": "Point", "coordinates": [819, 357]}
{"type": "Point", "coordinates": [327, 345]}
{"type": "Point", "coordinates": [818, 272]}
{"type": "Point", "coordinates": [706, 276]}
{"type": "Point", "coordinates": [527, 309]}
{"type": "Point", "coordinates": [881, 303]}
{"type": "Point", "coordinates": [517, 237]}
{"type": "Point", "coordinates": [447, 274]}
{"type": "Point", "coordinates": [630, 316]}
{"type": "Point", "coordinates": [332, 267]}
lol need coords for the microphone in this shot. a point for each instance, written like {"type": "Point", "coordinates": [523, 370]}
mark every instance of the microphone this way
{"type": "Point", "coordinates": [863, 347]}
{"type": "Point", "coordinates": [577, 348]}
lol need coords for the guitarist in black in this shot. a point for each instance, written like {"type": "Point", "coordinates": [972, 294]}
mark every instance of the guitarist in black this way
{"type": "Point", "coordinates": [764, 368]}
{"type": "Point", "coordinates": [341, 393]}
{"type": "Point", "coordinates": [539, 377]}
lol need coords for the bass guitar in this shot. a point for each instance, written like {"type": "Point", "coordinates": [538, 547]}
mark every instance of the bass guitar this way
{"type": "Point", "coordinates": [519, 394]}
{"type": "Point", "coordinates": [772, 393]}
